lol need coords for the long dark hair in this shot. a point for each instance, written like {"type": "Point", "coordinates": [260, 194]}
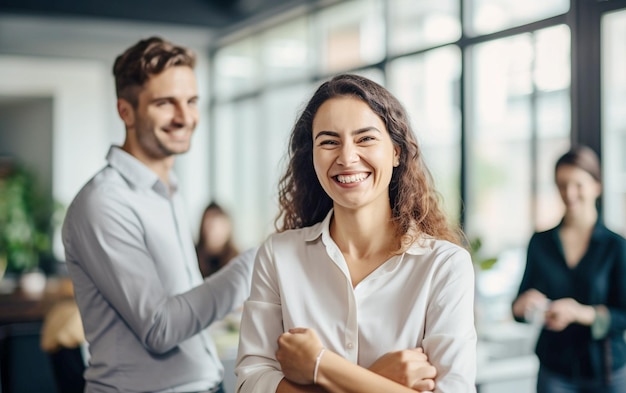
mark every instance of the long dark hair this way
{"type": "Point", "coordinates": [211, 263]}
{"type": "Point", "coordinates": [414, 202]}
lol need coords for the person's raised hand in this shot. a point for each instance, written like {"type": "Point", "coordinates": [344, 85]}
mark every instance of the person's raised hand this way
{"type": "Point", "coordinates": [563, 312]}
{"type": "Point", "coordinates": [528, 303]}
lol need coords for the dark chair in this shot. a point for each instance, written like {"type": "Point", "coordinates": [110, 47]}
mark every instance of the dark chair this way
{"type": "Point", "coordinates": [24, 367]}
{"type": "Point", "coordinates": [68, 366]}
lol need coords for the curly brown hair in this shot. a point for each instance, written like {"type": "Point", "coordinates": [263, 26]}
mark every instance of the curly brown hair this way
{"type": "Point", "coordinates": [147, 57]}
{"type": "Point", "coordinates": [415, 203]}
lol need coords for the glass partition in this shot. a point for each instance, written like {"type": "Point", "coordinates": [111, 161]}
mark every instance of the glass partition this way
{"type": "Point", "coordinates": [518, 111]}
{"type": "Point", "coordinates": [352, 34]}
{"type": "Point", "coordinates": [428, 86]}
{"type": "Point", "coordinates": [415, 25]}
{"type": "Point", "coordinates": [236, 68]}
{"type": "Point", "coordinates": [553, 114]}
{"type": "Point", "coordinates": [280, 108]}
{"type": "Point", "coordinates": [488, 16]}
{"type": "Point", "coordinates": [286, 52]}
{"type": "Point", "coordinates": [614, 120]}
{"type": "Point", "coordinates": [500, 133]}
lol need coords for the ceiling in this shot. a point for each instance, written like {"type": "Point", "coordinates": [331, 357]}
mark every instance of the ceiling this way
{"type": "Point", "coordinates": [212, 14]}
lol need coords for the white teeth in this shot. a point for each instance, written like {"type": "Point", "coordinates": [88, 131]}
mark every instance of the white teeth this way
{"type": "Point", "coordinates": [351, 178]}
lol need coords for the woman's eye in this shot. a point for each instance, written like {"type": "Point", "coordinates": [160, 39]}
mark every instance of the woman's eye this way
{"type": "Point", "coordinates": [328, 142]}
{"type": "Point", "coordinates": [367, 139]}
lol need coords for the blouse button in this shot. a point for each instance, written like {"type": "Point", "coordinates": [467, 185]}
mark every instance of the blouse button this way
{"type": "Point", "coordinates": [350, 346]}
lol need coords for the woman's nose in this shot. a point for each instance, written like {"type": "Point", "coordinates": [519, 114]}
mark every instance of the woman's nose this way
{"type": "Point", "coordinates": [348, 154]}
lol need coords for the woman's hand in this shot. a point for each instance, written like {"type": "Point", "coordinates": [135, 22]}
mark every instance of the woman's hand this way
{"type": "Point", "coordinates": [527, 304]}
{"type": "Point", "coordinates": [563, 312]}
{"type": "Point", "coordinates": [297, 352]}
{"type": "Point", "coordinates": [409, 367]}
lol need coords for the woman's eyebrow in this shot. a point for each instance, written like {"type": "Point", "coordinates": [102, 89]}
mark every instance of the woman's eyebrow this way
{"type": "Point", "coordinates": [355, 132]}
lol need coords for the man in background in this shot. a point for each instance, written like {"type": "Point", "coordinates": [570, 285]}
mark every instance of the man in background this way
{"type": "Point", "coordinates": [128, 245]}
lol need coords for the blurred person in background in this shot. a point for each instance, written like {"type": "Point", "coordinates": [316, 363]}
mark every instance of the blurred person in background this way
{"type": "Point", "coordinates": [215, 247]}
{"type": "Point", "coordinates": [575, 284]}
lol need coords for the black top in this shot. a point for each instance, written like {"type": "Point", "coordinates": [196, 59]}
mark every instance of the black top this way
{"type": "Point", "coordinates": [599, 278]}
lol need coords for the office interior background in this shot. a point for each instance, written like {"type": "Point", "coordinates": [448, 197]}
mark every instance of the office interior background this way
{"type": "Point", "coordinates": [496, 91]}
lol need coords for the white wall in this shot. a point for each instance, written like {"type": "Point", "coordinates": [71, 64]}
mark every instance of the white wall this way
{"type": "Point", "coordinates": [71, 61]}
{"type": "Point", "coordinates": [79, 128]}
{"type": "Point", "coordinates": [26, 133]}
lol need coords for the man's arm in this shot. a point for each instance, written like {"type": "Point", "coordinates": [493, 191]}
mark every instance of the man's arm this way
{"type": "Point", "coordinates": [224, 291]}
{"type": "Point", "coordinates": [105, 238]}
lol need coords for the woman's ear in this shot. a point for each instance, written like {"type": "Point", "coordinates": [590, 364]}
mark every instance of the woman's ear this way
{"type": "Point", "coordinates": [126, 112]}
{"type": "Point", "coordinates": [598, 189]}
{"type": "Point", "coordinates": [396, 156]}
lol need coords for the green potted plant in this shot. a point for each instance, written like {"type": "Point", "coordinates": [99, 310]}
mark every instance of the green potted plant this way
{"type": "Point", "coordinates": [25, 219]}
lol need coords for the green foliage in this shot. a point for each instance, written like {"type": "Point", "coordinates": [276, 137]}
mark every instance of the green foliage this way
{"type": "Point", "coordinates": [482, 263]}
{"type": "Point", "coordinates": [25, 219]}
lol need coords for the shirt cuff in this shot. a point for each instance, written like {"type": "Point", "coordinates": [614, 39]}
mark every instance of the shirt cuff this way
{"type": "Point", "coordinates": [601, 322]}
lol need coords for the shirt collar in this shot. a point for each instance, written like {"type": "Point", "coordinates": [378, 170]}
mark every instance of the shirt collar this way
{"type": "Point", "coordinates": [599, 229]}
{"type": "Point", "coordinates": [421, 246]}
{"type": "Point", "coordinates": [322, 228]}
{"type": "Point", "coordinates": [136, 173]}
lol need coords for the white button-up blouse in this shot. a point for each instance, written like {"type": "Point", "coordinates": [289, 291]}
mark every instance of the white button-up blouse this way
{"type": "Point", "coordinates": [422, 298]}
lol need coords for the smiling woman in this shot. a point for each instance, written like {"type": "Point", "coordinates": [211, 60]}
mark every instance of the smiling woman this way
{"type": "Point", "coordinates": [363, 247]}
{"type": "Point", "coordinates": [353, 152]}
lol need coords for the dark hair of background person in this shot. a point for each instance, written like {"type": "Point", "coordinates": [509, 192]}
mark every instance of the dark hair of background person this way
{"type": "Point", "coordinates": [584, 158]}
{"type": "Point", "coordinates": [210, 263]}
{"type": "Point", "coordinates": [146, 58]}
{"type": "Point", "coordinates": [415, 203]}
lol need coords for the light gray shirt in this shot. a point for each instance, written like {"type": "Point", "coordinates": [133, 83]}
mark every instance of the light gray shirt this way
{"type": "Point", "coordinates": [144, 305]}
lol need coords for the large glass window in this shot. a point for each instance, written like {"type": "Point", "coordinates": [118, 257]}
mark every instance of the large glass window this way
{"type": "Point", "coordinates": [614, 119]}
{"type": "Point", "coordinates": [352, 34]}
{"type": "Point", "coordinates": [235, 172]}
{"type": "Point", "coordinates": [223, 148]}
{"type": "Point", "coordinates": [428, 86]}
{"type": "Point", "coordinates": [488, 16]}
{"type": "Point", "coordinates": [518, 109]}
{"type": "Point", "coordinates": [286, 52]}
{"type": "Point", "coordinates": [553, 114]}
{"type": "Point", "coordinates": [491, 111]}
{"type": "Point", "coordinates": [236, 68]}
{"type": "Point", "coordinates": [500, 142]}
{"type": "Point", "coordinates": [280, 109]}
{"type": "Point", "coordinates": [415, 25]}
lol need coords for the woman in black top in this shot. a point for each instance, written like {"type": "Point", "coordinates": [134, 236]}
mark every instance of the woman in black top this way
{"type": "Point", "coordinates": [575, 279]}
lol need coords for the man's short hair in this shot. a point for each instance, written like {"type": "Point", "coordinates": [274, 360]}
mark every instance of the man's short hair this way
{"type": "Point", "coordinates": [148, 57]}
